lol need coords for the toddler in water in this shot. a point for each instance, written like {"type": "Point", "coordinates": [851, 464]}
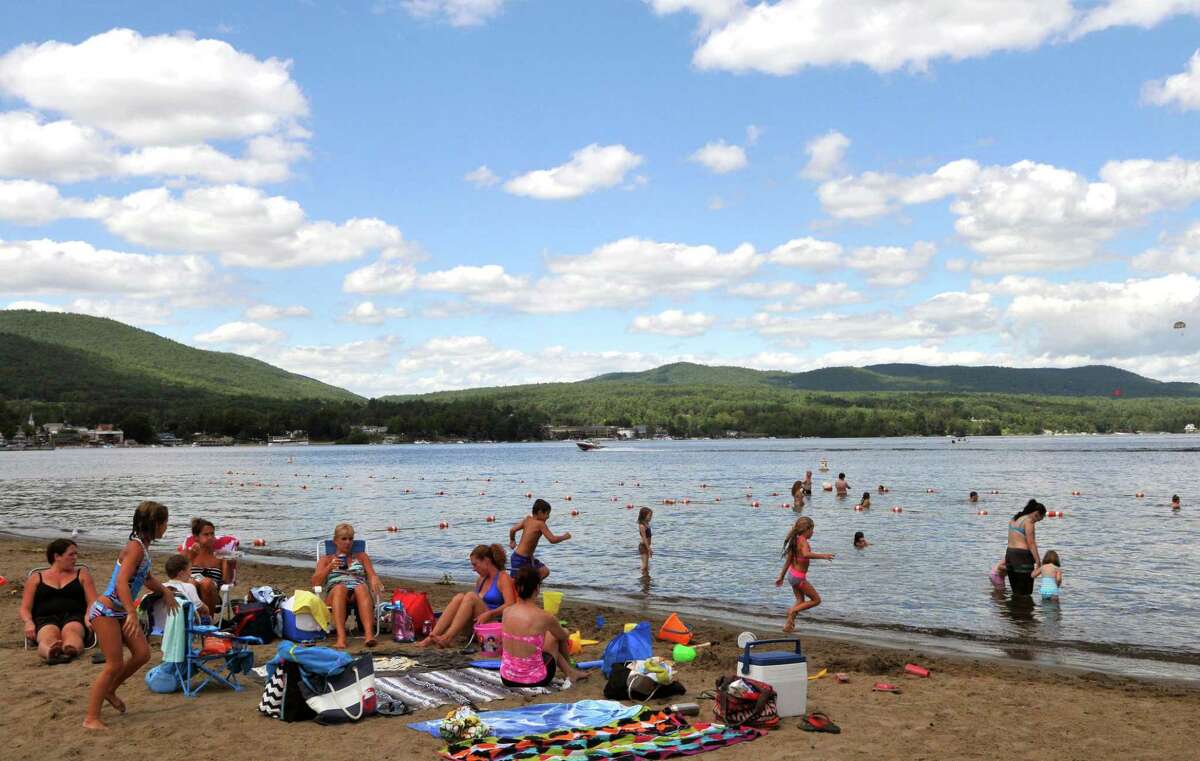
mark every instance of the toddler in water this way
{"type": "Point", "coordinates": [1051, 575]}
{"type": "Point", "coordinates": [865, 502]}
{"type": "Point", "coordinates": [533, 528]}
{"type": "Point", "coordinates": [1175, 505]}
{"type": "Point", "coordinates": [797, 553]}
{"type": "Point", "coordinates": [860, 541]}
{"type": "Point", "coordinates": [998, 574]}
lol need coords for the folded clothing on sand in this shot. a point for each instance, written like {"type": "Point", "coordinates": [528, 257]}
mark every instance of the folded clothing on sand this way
{"type": "Point", "coordinates": [545, 717]}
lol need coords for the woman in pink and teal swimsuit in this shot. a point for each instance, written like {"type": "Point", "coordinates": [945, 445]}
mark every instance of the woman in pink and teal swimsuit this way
{"type": "Point", "coordinates": [797, 553]}
{"type": "Point", "coordinates": [534, 641]}
{"type": "Point", "coordinates": [113, 615]}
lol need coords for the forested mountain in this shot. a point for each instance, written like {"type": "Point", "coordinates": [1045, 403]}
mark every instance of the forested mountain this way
{"type": "Point", "coordinates": [1090, 380]}
{"type": "Point", "coordinates": [52, 356]}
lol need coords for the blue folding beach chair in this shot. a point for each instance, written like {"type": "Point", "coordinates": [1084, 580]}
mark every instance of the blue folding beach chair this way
{"type": "Point", "coordinates": [196, 669]}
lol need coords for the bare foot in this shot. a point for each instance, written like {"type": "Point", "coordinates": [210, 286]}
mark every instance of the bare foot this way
{"type": "Point", "coordinates": [70, 651]}
{"type": "Point", "coordinates": [94, 724]}
{"type": "Point", "coordinates": [370, 642]}
{"type": "Point", "coordinates": [789, 627]}
{"type": "Point", "coordinates": [575, 675]}
{"type": "Point", "coordinates": [56, 648]}
{"type": "Point", "coordinates": [115, 702]}
{"type": "Point", "coordinates": [340, 644]}
{"type": "Point", "coordinates": [427, 642]}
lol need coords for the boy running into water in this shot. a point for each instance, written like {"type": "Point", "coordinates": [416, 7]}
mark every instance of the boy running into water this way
{"type": "Point", "coordinates": [534, 528]}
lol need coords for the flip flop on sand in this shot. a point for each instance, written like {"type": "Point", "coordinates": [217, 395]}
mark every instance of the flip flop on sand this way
{"type": "Point", "coordinates": [885, 687]}
{"type": "Point", "coordinates": [819, 722]}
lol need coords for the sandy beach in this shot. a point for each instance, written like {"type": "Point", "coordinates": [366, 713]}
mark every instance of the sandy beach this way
{"type": "Point", "coordinates": [967, 709]}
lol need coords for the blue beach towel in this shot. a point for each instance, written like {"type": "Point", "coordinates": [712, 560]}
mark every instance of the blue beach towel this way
{"type": "Point", "coordinates": [539, 718]}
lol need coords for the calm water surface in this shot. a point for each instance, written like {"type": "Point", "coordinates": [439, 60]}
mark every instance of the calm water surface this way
{"type": "Point", "coordinates": [1131, 566]}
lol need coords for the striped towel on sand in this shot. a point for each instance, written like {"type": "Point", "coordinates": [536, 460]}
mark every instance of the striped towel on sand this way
{"type": "Point", "coordinates": [457, 686]}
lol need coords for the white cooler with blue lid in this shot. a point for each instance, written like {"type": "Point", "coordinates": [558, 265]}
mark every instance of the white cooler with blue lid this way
{"type": "Point", "coordinates": [784, 670]}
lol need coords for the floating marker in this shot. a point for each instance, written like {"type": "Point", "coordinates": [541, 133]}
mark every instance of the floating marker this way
{"type": "Point", "coordinates": [491, 519]}
{"type": "Point", "coordinates": [443, 524]}
{"type": "Point", "coordinates": [897, 509]}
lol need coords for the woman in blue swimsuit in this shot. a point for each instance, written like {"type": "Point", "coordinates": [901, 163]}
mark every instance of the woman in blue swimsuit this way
{"type": "Point", "coordinates": [113, 615]}
{"type": "Point", "coordinates": [493, 593]}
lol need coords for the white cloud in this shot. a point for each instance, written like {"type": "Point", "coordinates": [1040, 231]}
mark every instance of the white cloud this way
{"type": "Point", "coordinates": [943, 316]}
{"type": "Point", "coordinates": [64, 151]}
{"type": "Point", "coordinates": [892, 266]}
{"type": "Point", "coordinates": [825, 154]}
{"type": "Point", "coordinates": [28, 202]}
{"type": "Point", "coordinates": [481, 177]}
{"type": "Point", "coordinates": [144, 313]}
{"type": "Point", "coordinates": [1182, 90]}
{"type": "Point", "coordinates": [1142, 13]}
{"type": "Point", "coordinates": [266, 312]}
{"type": "Point", "coordinates": [47, 266]}
{"type": "Point", "coordinates": [1181, 254]}
{"type": "Point", "coordinates": [673, 322]}
{"type": "Point", "coordinates": [753, 133]}
{"type": "Point", "coordinates": [1027, 216]}
{"type": "Point", "coordinates": [720, 157]}
{"type": "Point", "coordinates": [786, 36]}
{"type": "Point", "coordinates": [239, 333]}
{"type": "Point", "coordinates": [1102, 319]}
{"type": "Point", "coordinates": [591, 168]}
{"type": "Point", "coordinates": [807, 252]}
{"type": "Point", "coordinates": [160, 90]}
{"type": "Point", "coordinates": [874, 194]}
{"type": "Point", "coordinates": [392, 272]}
{"type": "Point", "coordinates": [454, 12]}
{"type": "Point", "coordinates": [481, 281]}
{"type": "Point", "coordinates": [245, 227]}
{"type": "Point", "coordinates": [366, 313]}
{"type": "Point", "coordinates": [798, 297]}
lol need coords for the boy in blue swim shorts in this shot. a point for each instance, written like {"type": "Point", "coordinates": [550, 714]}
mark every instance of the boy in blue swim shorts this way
{"type": "Point", "coordinates": [533, 527]}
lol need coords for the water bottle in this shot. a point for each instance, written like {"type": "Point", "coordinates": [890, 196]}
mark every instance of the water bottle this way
{"type": "Point", "coordinates": [685, 709]}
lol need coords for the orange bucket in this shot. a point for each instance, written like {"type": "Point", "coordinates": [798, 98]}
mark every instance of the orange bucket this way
{"type": "Point", "coordinates": [675, 630]}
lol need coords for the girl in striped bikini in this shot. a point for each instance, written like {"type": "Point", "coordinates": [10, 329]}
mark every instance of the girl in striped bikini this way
{"type": "Point", "coordinates": [113, 615]}
{"type": "Point", "coordinates": [208, 571]}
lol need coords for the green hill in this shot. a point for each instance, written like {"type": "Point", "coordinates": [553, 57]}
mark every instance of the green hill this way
{"type": "Point", "coordinates": [73, 357]}
{"type": "Point", "coordinates": [1090, 380]}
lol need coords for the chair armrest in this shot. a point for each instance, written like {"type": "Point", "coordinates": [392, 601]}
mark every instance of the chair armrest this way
{"type": "Point", "coordinates": [204, 629]}
{"type": "Point", "coordinates": [317, 590]}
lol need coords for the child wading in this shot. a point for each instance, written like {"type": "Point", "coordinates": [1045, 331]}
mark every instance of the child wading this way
{"type": "Point", "coordinates": [644, 537]}
{"type": "Point", "coordinates": [114, 617]}
{"type": "Point", "coordinates": [533, 528]}
{"type": "Point", "coordinates": [797, 553]}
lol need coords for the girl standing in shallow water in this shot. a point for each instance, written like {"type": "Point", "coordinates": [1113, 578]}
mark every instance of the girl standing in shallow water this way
{"type": "Point", "coordinates": [644, 537]}
{"type": "Point", "coordinates": [114, 617]}
{"type": "Point", "coordinates": [797, 553]}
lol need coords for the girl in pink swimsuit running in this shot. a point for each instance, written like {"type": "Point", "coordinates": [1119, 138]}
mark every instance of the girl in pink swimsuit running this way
{"type": "Point", "coordinates": [797, 553]}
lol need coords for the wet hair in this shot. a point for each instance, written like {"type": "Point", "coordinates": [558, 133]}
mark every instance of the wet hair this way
{"type": "Point", "coordinates": [797, 487]}
{"type": "Point", "coordinates": [493, 552]}
{"type": "Point", "coordinates": [859, 537]}
{"type": "Point", "coordinates": [343, 528]}
{"type": "Point", "coordinates": [801, 525]}
{"type": "Point", "coordinates": [842, 476]}
{"type": "Point", "coordinates": [866, 497]}
{"type": "Point", "coordinates": [58, 547]}
{"type": "Point", "coordinates": [199, 524]}
{"type": "Point", "coordinates": [973, 494]}
{"type": "Point", "coordinates": [146, 519]}
{"type": "Point", "coordinates": [1032, 506]}
{"type": "Point", "coordinates": [644, 514]}
{"type": "Point", "coordinates": [176, 564]}
{"type": "Point", "coordinates": [527, 580]}
{"type": "Point", "coordinates": [540, 506]}
{"type": "Point", "coordinates": [1050, 558]}
{"type": "Point", "coordinates": [1174, 497]}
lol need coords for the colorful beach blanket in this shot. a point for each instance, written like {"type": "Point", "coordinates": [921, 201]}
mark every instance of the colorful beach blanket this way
{"type": "Point", "coordinates": [652, 734]}
{"type": "Point", "coordinates": [457, 687]}
{"type": "Point", "coordinates": [545, 717]}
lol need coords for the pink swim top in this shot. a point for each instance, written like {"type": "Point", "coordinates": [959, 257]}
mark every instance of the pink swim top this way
{"type": "Point", "coordinates": [524, 669]}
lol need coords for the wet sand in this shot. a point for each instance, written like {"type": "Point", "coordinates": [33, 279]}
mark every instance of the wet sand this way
{"type": "Point", "coordinates": [968, 708]}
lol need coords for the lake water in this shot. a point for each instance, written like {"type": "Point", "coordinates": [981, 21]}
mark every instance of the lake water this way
{"type": "Point", "coordinates": [1131, 565]}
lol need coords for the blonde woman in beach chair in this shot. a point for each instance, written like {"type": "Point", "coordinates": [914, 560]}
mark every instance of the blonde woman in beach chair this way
{"type": "Point", "coordinates": [345, 572]}
{"type": "Point", "coordinates": [55, 603]}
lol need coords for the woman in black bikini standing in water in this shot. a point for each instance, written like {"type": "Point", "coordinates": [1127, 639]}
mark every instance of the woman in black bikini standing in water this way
{"type": "Point", "coordinates": [1022, 557]}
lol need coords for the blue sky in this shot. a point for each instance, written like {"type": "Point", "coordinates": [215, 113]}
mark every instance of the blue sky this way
{"type": "Point", "coordinates": [415, 195]}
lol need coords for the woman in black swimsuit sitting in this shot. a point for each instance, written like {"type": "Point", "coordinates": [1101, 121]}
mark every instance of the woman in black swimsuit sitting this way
{"type": "Point", "coordinates": [208, 571]}
{"type": "Point", "coordinates": [55, 602]}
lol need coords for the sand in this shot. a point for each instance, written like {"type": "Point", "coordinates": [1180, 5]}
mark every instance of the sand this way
{"type": "Point", "coordinates": [967, 709]}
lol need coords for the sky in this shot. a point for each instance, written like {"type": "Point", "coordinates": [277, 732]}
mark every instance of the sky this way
{"type": "Point", "coordinates": [402, 196]}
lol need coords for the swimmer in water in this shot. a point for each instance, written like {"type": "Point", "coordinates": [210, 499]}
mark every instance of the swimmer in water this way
{"type": "Point", "coordinates": [841, 486]}
{"type": "Point", "coordinates": [973, 497]}
{"type": "Point", "coordinates": [1175, 505]}
{"type": "Point", "coordinates": [860, 541]}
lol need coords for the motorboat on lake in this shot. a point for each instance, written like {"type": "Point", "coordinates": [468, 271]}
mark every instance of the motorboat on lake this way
{"type": "Point", "coordinates": [588, 446]}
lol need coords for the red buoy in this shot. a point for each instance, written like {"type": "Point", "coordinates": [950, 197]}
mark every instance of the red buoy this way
{"type": "Point", "coordinates": [443, 524]}
{"type": "Point", "coordinates": [491, 519]}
